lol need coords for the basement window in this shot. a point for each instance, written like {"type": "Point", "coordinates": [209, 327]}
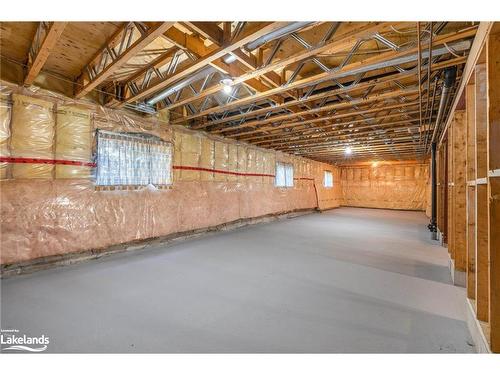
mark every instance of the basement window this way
{"type": "Point", "coordinates": [125, 159]}
{"type": "Point", "coordinates": [328, 179]}
{"type": "Point", "coordinates": [284, 175]}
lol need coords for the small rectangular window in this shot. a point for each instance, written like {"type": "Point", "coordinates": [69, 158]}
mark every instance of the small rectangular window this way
{"type": "Point", "coordinates": [129, 159]}
{"type": "Point", "coordinates": [328, 179]}
{"type": "Point", "coordinates": [284, 175]}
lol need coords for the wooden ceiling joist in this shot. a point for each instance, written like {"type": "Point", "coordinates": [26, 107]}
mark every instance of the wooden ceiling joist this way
{"type": "Point", "coordinates": [252, 32]}
{"type": "Point", "coordinates": [318, 78]}
{"type": "Point", "coordinates": [342, 134]}
{"type": "Point", "coordinates": [327, 94]}
{"type": "Point", "coordinates": [44, 41]}
{"type": "Point", "coordinates": [118, 61]}
{"type": "Point", "coordinates": [331, 107]}
{"type": "Point", "coordinates": [209, 30]}
{"type": "Point", "coordinates": [322, 130]}
{"type": "Point", "coordinates": [311, 98]}
{"type": "Point", "coordinates": [338, 44]}
{"type": "Point", "coordinates": [311, 92]}
{"type": "Point", "coordinates": [244, 135]}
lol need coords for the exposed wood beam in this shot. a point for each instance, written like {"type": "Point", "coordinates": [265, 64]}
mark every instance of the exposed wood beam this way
{"type": "Point", "coordinates": [252, 32]}
{"type": "Point", "coordinates": [369, 149]}
{"type": "Point", "coordinates": [327, 94]}
{"type": "Point", "coordinates": [319, 78]}
{"type": "Point", "coordinates": [40, 51]}
{"type": "Point", "coordinates": [406, 141]}
{"type": "Point", "coordinates": [234, 69]}
{"type": "Point", "coordinates": [341, 43]}
{"type": "Point", "coordinates": [250, 61]}
{"type": "Point", "coordinates": [208, 30]}
{"type": "Point", "coordinates": [196, 46]}
{"type": "Point", "coordinates": [244, 135]}
{"type": "Point", "coordinates": [156, 63]}
{"type": "Point", "coordinates": [188, 42]}
{"type": "Point", "coordinates": [154, 32]}
{"type": "Point", "coordinates": [331, 107]}
{"type": "Point", "coordinates": [480, 39]}
{"type": "Point", "coordinates": [322, 129]}
{"type": "Point", "coordinates": [346, 132]}
{"type": "Point", "coordinates": [314, 97]}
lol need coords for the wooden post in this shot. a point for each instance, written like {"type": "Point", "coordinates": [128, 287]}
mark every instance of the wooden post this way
{"type": "Point", "coordinates": [493, 74]}
{"type": "Point", "coordinates": [449, 188]}
{"type": "Point", "coordinates": [482, 250]}
{"type": "Point", "coordinates": [470, 102]}
{"type": "Point", "coordinates": [444, 192]}
{"type": "Point", "coordinates": [459, 194]}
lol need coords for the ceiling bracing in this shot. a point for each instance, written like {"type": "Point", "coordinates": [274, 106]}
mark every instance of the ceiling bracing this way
{"type": "Point", "coordinates": [307, 88]}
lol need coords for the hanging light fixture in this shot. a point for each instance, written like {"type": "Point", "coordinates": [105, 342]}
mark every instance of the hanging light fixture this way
{"type": "Point", "coordinates": [227, 85]}
{"type": "Point", "coordinates": [348, 150]}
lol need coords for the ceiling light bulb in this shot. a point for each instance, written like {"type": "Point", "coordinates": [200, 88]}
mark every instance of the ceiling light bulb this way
{"type": "Point", "coordinates": [348, 150]}
{"type": "Point", "coordinates": [227, 84]}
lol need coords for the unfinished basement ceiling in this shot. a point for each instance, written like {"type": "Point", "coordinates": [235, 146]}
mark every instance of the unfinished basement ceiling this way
{"type": "Point", "coordinates": [306, 88]}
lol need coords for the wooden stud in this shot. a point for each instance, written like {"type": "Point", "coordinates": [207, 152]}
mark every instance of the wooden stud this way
{"type": "Point", "coordinates": [482, 249]}
{"type": "Point", "coordinates": [471, 191]}
{"type": "Point", "coordinates": [493, 76]}
{"type": "Point", "coordinates": [459, 190]}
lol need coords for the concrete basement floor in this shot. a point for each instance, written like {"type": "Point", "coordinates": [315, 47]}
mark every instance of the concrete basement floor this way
{"type": "Point", "coordinates": [346, 280]}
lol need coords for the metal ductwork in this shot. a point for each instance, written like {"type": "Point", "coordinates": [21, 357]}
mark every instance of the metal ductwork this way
{"type": "Point", "coordinates": [461, 46]}
{"type": "Point", "coordinates": [181, 84]}
{"type": "Point", "coordinates": [285, 30]}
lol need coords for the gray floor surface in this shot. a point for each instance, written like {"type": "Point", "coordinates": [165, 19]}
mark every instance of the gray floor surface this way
{"type": "Point", "coordinates": [346, 280]}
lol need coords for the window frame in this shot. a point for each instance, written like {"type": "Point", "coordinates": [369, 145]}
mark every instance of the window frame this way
{"type": "Point", "coordinates": [325, 179]}
{"type": "Point", "coordinates": [147, 140]}
{"type": "Point", "coordinates": [287, 167]}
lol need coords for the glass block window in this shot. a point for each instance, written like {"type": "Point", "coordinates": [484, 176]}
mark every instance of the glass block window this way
{"type": "Point", "coordinates": [130, 159]}
{"type": "Point", "coordinates": [284, 175]}
{"type": "Point", "coordinates": [328, 179]}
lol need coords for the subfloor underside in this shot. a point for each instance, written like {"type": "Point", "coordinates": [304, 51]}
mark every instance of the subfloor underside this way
{"type": "Point", "coordinates": [346, 280]}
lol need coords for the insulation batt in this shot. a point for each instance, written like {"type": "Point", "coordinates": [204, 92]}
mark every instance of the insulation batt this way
{"type": "Point", "coordinates": [73, 141]}
{"type": "Point", "coordinates": [63, 212]}
{"type": "Point", "coordinates": [49, 217]}
{"type": "Point", "coordinates": [4, 138]}
{"type": "Point", "coordinates": [32, 136]}
{"type": "Point", "coordinates": [394, 186]}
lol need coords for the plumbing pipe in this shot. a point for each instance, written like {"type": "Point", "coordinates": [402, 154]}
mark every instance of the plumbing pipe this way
{"type": "Point", "coordinates": [433, 224]}
{"type": "Point", "coordinates": [450, 75]}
